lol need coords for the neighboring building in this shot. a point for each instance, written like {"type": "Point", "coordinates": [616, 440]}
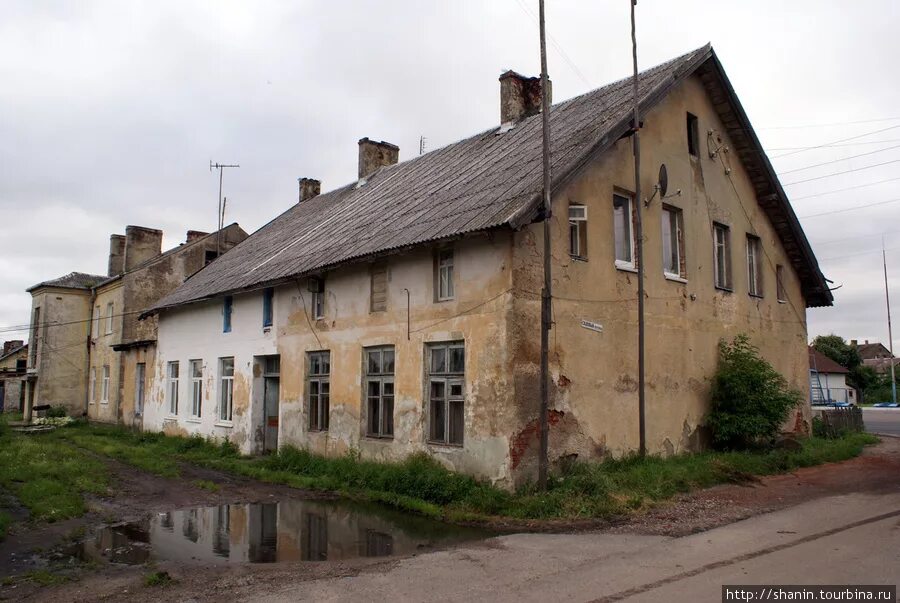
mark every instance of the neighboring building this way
{"type": "Point", "coordinates": [828, 380]}
{"type": "Point", "coordinates": [58, 345]}
{"type": "Point", "coordinates": [875, 355]}
{"type": "Point", "coordinates": [13, 365]}
{"type": "Point", "coordinates": [400, 313]}
{"type": "Point", "coordinates": [103, 371]}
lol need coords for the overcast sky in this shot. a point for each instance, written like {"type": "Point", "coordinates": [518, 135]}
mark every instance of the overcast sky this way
{"type": "Point", "coordinates": [111, 111]}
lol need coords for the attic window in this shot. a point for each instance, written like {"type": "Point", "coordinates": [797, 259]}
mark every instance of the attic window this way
{"type": "Point", "coordinates": [693, 135]}
{"type": "Point", "coordinates": [209, 256]}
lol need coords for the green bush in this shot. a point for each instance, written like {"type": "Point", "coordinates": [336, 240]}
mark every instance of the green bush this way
{"type": "Point", "coordinates": [750, 399]}
{"type": "Point", "coordinates": [57, 412]}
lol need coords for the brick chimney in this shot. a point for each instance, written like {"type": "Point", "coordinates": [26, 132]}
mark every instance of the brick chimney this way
{"type": "Point", "coordinates": [116, 255]}
{"type": "Point", "coordinates": [374, 155]}
{"type": "Point", "coordinates": [309, 188]}
{"type": "Point", "coordinates": [520, 96]}
{"type": "Point", "coordinates": [141, 244]}
{"type": "Point", "coordinates": [9, 346]}
{"type": "Point", "coordinates": [854, 343]}
{"type": "Point", "coordinates": [195, 235]}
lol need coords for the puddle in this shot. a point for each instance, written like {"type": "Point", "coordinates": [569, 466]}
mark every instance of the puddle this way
{"type": "Point", "coordinates": [291, 530]}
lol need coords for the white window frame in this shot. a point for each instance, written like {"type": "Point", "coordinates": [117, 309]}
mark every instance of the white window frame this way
{"type": "Point", "coordinates": [318, 389]}
{"type": "Point", "coordinates": [578, 217]}
{"type": "Point", "coordinates": [195, 370]}
{"type": "Point", "coordinates": [110, 307]}
{"type": "Point", "coordinates": [104, 385]}
{"type": "Point", "coordinates": [725, 245]}
{"type": "Point", "coordinates": [317, 299]}
{"type": "Point", "coordinates": [172, 381]}
{"type": "Point", "coordinates": [448, 381]}
{"type": "Point", "coordinates": [380, 378]}
{"type": "Point", "coordinates": [93, 385]}
{"type": "Point", "coordinates": [226, 389]}
{"type": "Point", "coordinates": [673, 231]}
{"type": "Point", "coordinates": [140, 384]}
{"type": "Point", "coordinates": [95, 324]}
{"type": "Point", "coordinates": [444, 285]}
{"type": "Point", "coordinates": [754, 266]}
{"type": "Point", "coordinates": [624, 264]}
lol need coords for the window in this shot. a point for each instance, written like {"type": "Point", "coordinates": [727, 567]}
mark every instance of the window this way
{"type": "Point", "coordinates": [779, 282]}
{"type": "Point", "coordinates": [317, 288]}
{"type": "Point", "coordinates": [109, 318]}
{"type": "Point", "coordinates": [318, 389]}
{"type": "Point", "coordinates": [693, 135]}
{"type": "Point", "coordinates": [380, 392]}
{"type": "Point", "coordinates": [140, 371]}
{"type": "Point", "coordinates": [33, 344]}
{"type": "Point", "coordinates": [104, 386]}
{"type": "Point", "coordinates": [268, 300]}
{"type": "Point", "coordinates": [444, 274]}
{"type": "Point", "coordinates": [196, 388]}
{"type": "Point", "coordinates": [226, 388]}
{"type": "Point", "coordinates": [722, 257]}
{"type": "Point", "coordinates": [578, 231]}
{"type": "Point", "coordinates": [446, 387]}
{"type": "Point", "coordinates": [209, 255]}
{"type": "Point", "coordinates": [622, 220]}
{"type": "Point", "coordinates": [754, 266]}
{"type": "Point", "coordinates": [95, 324]}
{"type": "Point", "coordinates": [173, 387]}
{"type": "Point", "coordinates": [673, 243]}
{"type": "Point", "coordinates": [92, 390]}
{"type": "Point", "coordinates": [227, 307]}
{"type": "Point", "coordinates": [378, 290]}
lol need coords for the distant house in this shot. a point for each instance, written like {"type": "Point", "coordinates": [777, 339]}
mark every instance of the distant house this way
{"type": "Point", "coordinates": [828, 380]}
{"type": "Point", "coordinates": [400, 313]}
{"type": "Point", "coordinates": [876, 355]}
{"type": "Point", "coordinates": [13, 363]}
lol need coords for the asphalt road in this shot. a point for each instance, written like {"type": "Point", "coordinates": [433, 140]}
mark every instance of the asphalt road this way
{"type": "Point", "coordinates": [882, 420]}
{"type": "Point", "coordinates": [849, 539]}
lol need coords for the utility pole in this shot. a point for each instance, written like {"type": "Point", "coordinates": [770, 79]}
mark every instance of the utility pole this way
{"type": "Point", "coordinates": [544, 460]}
{"type": "Point", "coordinates": [220, 213]}
{"type": "Point", "coordinates": [887, 299]}
{"type": "Point", "coordinates": [639, 235]}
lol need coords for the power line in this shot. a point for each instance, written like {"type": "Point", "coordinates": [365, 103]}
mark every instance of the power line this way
{"type": "Point", "coordinates": [556, 45]}
{"type": "Point", "coordinates": [837, 123]}
{"type": "Point", "coordinates": [849, 188]}
{"type": "Point", "coordinates": [840, 140]}
{"type": "Point", "coordinates": [840, 211]}
{"type": "Point", "coordinates": [853, 238]}
{"type": "Point", "coordinates": [43, 325]}
{"type": "Point", "coordinates": [849, 144]}
{"type": "Point", "coordinates": [809, 167]}
{"type": "Point", "coordinates": [859, 169]}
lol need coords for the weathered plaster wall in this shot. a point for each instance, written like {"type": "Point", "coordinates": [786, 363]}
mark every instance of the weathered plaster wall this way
{"type": "Point", "coordinates": [595, 374]}
{"type": "Point", "coordinates": [102, 354]}
{"type": "Point", "coordinates": [61, 348]}
{"type": "Point", "coordinates": [477, 315]}
{"type": "Point", "coordinates": [130, 358]}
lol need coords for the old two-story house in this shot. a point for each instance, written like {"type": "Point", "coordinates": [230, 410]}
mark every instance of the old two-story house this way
{"type": "Point", "coordinates": [92, 352]}
{"type": "Point", "coordinates": [13, 367]}
{"type": "Point", "coordinates": [400, 313]}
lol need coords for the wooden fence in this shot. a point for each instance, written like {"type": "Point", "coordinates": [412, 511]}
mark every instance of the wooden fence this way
{"type": "Point", "coordinates": [840, 420]}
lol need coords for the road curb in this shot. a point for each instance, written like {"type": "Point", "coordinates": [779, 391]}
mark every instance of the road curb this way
{"type": "Point", "coordinates": [885, 435]}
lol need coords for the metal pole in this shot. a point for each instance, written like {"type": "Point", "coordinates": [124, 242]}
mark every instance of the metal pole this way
{"type": "Point", "coordinates": [544, 460]}
{"type": "Point", "coordinates": [887, 299]}
{"type": "Point", "coordinates": [639, 235]}
{"type": "Point", "coordinates": [219, 217]}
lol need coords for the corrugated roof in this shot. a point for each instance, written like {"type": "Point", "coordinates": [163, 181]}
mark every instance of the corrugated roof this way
{"type": "Point", "coordinates": [821, 363]}
{"type": "Point", "coordinates": [487, 181]}
{"type": "Point", "coordinates": [73, 280]}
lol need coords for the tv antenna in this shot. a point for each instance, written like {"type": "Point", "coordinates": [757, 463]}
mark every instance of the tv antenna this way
{"type": "Point", "coordinates": [220, 213]}
{"type": "Point", "coordinates": [422, 143]}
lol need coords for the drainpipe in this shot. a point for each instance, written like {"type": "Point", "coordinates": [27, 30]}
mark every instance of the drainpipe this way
{"type": "Point", "coordinates": [87, 362]}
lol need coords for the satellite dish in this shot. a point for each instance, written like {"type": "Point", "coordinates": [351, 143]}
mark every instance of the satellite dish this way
{"type": "Point", "coordinates": [663, 182]}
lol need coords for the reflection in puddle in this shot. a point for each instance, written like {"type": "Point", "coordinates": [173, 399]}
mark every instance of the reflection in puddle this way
{"type": "Point", "coordinates": [291, 530]}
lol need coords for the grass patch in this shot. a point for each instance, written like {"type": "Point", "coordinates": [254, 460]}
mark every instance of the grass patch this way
{"type": "Point", "coordinates": [205, 484]}
{"type": "Point", "coordinates": [158, 579]}
{"type": "Point", "coordinates": [45, 578]}
{"type": "Point", "coordinates": [420, 484]}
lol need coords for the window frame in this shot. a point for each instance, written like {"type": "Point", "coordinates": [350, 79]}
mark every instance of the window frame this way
{"type": "Point", "coordinates": [780, 289]}
{"type": "Point", "coordinates": [444, 262]}
{"type": "Point", "coordinates": [227, 312]}
{"type": "Point", "coordinates": [195, 372]}
{"type": "Point", "coordinates": [317, 298]}
{"type": "Point", "coordinates": [693, 135]}
{"type": "Point", "coordinates": [225, 411]}
{"type": "Point", "coordinates": [755, 284]}
{"type": "Point", "coordinates": [140, 387]}
{"type": "Point", "coordinates": [448, 379]}
{"type": "Point", "coordinates": [110, 309]}
{"type": "Point", "coordinates": [378, 271]}
{"type": "Point", "coordinates": [318, 421]}
{"type": "Point", "coordinates": [676, 240]}
{"type": "Point", "coordinates": [95, 323]}
{"type": "Point", "coordinates": [92, 386]}
{"type": "Point", "coordinates": [728, 284]}
{"type": "Point", "coordinates": [268, 309]}
{"type": "Point", "coordinates": [381, 377]}
{"type": "Point", "coordinates": [104, 385]}
{"type": "Point", "coordinates": [173, 386]}
{"type": "Point", "coordinates": [578, 238]}
{"type": "Point", "coordinates": [630, 264]}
